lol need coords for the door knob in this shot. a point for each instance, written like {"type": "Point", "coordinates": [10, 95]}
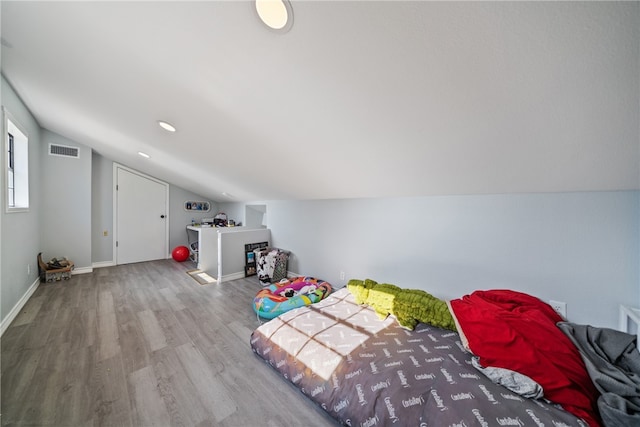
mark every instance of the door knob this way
{"type": "Point", "coordinates": [161, 216]}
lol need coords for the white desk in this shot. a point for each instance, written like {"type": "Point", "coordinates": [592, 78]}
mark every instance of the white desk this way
{"type": "Point", "coordinates": [221, 250]}
{"type": "Point", "coordinates": [207, 249]}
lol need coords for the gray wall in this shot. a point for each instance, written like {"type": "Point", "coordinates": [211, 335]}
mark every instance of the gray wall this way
{"type": "Point", "coordinates": [66, 202]}
{"type": "Point", "coordinates": [179, 218]}
{"type": "Point", "coordinates": [581, 248]}
{"type": "Point", "coordinates": [101, 210]}
{"type": "Point", "coordinates": [20, 231]}
{"type": "Point", "coordinates": [234, 211]}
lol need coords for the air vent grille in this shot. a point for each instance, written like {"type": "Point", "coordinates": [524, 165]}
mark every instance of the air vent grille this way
{"type": "Point", "coordinates": [64, 151]}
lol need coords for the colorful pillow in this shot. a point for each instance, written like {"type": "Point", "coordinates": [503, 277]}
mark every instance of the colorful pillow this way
{"type": "Point", "coordinates": [408, 306]}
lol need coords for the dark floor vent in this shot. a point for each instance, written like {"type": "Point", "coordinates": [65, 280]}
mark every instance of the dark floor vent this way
{"type": "Point", "coordinates": [64, 151]}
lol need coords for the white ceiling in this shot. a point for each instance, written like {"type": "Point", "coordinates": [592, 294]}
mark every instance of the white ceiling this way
{"type": "Point", "coordinates": [358, 99]}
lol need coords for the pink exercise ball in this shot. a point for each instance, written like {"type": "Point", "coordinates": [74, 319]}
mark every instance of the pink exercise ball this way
{"type": "Point", "coordinates": [180, 253]}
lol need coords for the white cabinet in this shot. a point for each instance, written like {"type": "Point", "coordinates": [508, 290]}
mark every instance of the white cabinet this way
{"type": "Point", "coordinates": [204, 249]}
{"type": "Point", "coordinates": [220, 251]}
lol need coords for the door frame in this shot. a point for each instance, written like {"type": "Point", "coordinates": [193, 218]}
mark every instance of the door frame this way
{"type": "Point", "coordinates": [117, 166]}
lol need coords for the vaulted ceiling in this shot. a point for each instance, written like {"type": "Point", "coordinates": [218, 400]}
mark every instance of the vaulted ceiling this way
{"type": "Point", "coordinates": [358, 99]}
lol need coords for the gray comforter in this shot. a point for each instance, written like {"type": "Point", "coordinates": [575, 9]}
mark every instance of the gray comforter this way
{"type": "Point", "coordinates": [364, 371]}
{"type": "Point", "coordinates": [613, 362]}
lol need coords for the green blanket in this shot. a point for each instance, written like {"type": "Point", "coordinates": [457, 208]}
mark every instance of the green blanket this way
{"type": "Point", "coordinates": [409, 306]}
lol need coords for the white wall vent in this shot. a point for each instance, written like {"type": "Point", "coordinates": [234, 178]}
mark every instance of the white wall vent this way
{"type": "Point", "coordinates": [64, 151]}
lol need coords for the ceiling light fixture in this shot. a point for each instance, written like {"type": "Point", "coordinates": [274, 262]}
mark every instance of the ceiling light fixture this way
{"type": "Point", "coordinates": [166, 126]}
{"type": "Point", "coordinates": [145, 155]}
{"type": "Point", "coordinates": [276, 14]}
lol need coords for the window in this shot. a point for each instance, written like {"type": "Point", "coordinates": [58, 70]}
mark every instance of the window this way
{"type": "Point", "coordinates": [17, 166]}
{"type": "Point", "coordinates": [11, 195]}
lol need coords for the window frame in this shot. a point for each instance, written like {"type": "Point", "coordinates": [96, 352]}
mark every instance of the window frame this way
{"type": "Point", "coordinates": [13, 153]}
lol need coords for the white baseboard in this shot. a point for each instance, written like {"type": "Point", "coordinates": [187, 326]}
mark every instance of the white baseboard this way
{"type": "Point", "coordinates": [16, 308]}
{"type": "Point", "coordinates": [82, 270]}
{"type": "Point", "coordinates": [232, 276]}
{"type": "Point", "coordinates": [103, 264]}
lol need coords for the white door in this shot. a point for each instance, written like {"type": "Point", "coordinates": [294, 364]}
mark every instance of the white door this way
{"type": "Point", "coordinates": [141, 217]}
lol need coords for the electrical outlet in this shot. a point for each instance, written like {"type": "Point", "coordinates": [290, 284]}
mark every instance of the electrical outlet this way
{"type": "Point", "coordinates": [342, 275]}
{"type": "Point", "coordinates": [560, 307]}
{"type": "Point", "coordinates": [105, 233]}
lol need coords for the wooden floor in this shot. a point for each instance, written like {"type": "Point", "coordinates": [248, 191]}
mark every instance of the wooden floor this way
{"type": "Point", "coordinates": [143, 345]}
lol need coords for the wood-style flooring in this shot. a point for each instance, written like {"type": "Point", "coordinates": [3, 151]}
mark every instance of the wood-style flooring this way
{"type": "Point", "coordinates": [143, 345]}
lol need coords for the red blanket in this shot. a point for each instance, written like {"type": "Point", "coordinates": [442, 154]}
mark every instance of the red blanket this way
{"type": "Point", "coordinates": [512, 330]}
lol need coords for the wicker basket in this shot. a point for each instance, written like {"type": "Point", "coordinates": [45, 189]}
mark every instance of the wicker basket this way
{"type": "Point", "coordinates": [49, 273]}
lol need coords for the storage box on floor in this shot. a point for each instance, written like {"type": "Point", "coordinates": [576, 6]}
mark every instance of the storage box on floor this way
{"type": "Point", "coordinates": [271, 264]}
{"type": "Point", "coordinates": [54, 270]}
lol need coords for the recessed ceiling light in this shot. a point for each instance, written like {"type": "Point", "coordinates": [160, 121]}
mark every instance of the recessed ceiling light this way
{"type": "Point", "coordinates": [145, 155]}
{"type": "Point", "coordinates": [166, 126]}
{"type": "Point", "coordinates": [276, 14]}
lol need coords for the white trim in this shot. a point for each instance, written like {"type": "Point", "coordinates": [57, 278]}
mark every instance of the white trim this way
{"type": "Point", "coordinates": [630, 314]}
{"type": "Point", "coordinates": [232, 276]}
{"type": "Point", "coordinates": [6, 117]}
{"type": "Point", "coordinates": [69, 156]}
{"type": "Point", "coordinates": [6, 322]}
{"type": "Point", "coordinates": [103, 264]}
{"type": "Point", "coordinates": [81, 270]}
